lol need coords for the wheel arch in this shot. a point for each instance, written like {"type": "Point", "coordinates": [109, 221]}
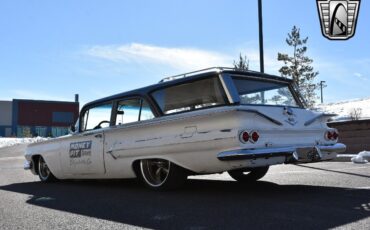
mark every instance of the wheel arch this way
{"type": "Point", "coordinates": [136, 165]}
{"type": "Point", "coordinates": [35, 163]}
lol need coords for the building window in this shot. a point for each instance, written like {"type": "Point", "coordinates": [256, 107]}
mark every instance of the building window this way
{"type": "Point", "coordinates": [59, 131]}
{"type": "Point", "coordinates": [41, 131]}
{"type": "Point", "coordinates": [63, 117]}
{"type": "Point", "coordinates": [8, 132]}
{"type": "Point", "coordinates": [24, 131]}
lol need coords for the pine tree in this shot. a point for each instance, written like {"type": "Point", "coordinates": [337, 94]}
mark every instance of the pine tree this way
{"type": "Point", "coordinates": [242, 63]}
{"type": "Point", "coordinates": [298, 67]}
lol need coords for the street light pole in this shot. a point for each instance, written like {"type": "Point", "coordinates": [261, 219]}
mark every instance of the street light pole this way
{"type": "Point", "coordinates": [260, 26]}
{"type": "Point", "coordinates": [260, 23]}
{"type": "Point", "coordinates": [321, 87]}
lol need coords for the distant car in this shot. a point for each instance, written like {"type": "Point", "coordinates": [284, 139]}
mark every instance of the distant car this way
{"type": "Point", "coordinates": [204, 122]}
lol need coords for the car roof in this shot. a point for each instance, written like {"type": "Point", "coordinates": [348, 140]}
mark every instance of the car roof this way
{"type": "Point", "coordinates": [187, 77]}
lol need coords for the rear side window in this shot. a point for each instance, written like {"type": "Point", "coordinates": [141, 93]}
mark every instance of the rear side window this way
{"type": "Point", "coordinates": [190, 96]}
{"type": "Point", "coordinates": [133, 110]}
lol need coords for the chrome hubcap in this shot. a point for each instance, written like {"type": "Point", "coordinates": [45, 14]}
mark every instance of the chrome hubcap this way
{"type": "Point", "coordinates": [155, 171]}
{"type": "Point", "coordinates": [43, 169]}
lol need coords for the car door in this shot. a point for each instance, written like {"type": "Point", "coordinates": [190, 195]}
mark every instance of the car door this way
{"type": "Point", "coordinates": [128, 111]}
{"type": "Point", "coordinates": [83, 153]}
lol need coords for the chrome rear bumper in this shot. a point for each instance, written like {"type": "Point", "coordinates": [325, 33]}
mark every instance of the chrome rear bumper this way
{"type": "Point", "coordinates": [294, 153]}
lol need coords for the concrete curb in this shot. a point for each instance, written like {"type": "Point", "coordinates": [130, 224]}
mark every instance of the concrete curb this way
{"type": "Point", "coordinates": [344, 157]}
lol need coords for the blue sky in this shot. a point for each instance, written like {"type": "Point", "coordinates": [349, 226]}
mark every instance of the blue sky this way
{"type": "Point", "coordinates": [51, 50]}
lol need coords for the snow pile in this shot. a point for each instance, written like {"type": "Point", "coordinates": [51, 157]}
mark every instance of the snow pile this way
{"type": "Point", "coordinates": [344, 108]}
{"type": "Point", "coordinates": [5, 142]}
{"type": "Point", "coordinates": [360, 158]}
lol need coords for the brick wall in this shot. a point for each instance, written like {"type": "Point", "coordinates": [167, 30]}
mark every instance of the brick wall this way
{"type": "Point", "coordinates": [354, 134]}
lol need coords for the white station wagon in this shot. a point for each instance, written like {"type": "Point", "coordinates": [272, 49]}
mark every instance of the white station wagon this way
{"type": "Point", "coordinates": [209, 121]}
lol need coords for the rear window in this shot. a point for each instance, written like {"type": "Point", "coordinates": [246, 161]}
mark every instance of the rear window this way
{"type": "Point", "coordinates": [190, 96]}
{"type": "Point", "coordinates": [255, 92]}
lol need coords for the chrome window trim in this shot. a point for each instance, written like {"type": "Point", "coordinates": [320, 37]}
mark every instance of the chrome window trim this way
{"type": "Point", "coordinates": [229, 88]}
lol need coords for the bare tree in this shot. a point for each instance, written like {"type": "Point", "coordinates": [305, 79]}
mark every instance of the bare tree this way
{"type": "Point", "coordinates": [242, 63]}
{"type": "Point", "coordinates": [355, 114]}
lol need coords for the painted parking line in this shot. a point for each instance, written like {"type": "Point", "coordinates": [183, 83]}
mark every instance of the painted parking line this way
{"type": "Point", "coordinates": [11, 158]}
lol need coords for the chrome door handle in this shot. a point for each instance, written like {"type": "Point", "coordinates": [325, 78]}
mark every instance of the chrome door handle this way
{"type": "Point", "coordinates": [99, 135]}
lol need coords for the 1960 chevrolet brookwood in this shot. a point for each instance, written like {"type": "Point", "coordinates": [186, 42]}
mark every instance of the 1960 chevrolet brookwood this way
{"type": "Point", "coordinates": [208, 121]}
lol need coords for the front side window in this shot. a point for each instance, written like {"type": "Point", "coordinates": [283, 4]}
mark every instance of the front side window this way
{"type": "Point", "coordinates": [257, 92]}
{"type": "Point", "coordinates": [146, 112]}
{"type": "Point", "coordinates": [132, 110]}
{"type": "Point", "coordinates": [97, 117]}
{"type": "Point", "coordinates": [190, 96]}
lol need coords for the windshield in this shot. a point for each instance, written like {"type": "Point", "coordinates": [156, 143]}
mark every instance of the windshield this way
{"type": "Point", "coordinates": [257, 92]}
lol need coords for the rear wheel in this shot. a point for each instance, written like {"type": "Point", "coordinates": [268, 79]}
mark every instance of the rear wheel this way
{"type": "Point", "coordinates": [161, 174]}
{"type": "Point", "coordinates": [248, 175]}
{"type": "Point", "coordinates": [45, 174]}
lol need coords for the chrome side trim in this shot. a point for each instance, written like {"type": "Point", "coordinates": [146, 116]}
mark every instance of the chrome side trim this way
{"type": "Point", "coordinates": [243, 154]}
{"type": "Point", "coordinates": [260, 114]}
{"type": "Point", "coordinates": [309, 122]}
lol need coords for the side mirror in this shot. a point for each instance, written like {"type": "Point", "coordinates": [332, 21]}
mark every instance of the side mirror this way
{"type": "Point", "coordinates": [72, 128]}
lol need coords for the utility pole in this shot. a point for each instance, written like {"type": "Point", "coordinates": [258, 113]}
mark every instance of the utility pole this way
{"type": "Point", "coordinates": [322, 85]}
{"type": "Point", "coordinates": [262, 62]}
{"type": "Point", "coordinates": [260, 23]}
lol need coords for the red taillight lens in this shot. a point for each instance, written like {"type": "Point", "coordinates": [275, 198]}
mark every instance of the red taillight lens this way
{"type": "Point", "coordinates": [251, 137]}
{"type": "Point", "coordinates": [245, 136]}
{"type": "Point", "coordinates": [335, 135]}
{"type": "Point", "coordinates": [255, 136]}
{"type": "Point", "coordinates": [331, 135]}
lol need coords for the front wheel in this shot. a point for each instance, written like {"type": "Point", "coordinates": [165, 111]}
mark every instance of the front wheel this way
{"type": "Point", "coordinates": [161, 174]}
{"type": "Point", "coordinates": [248, 175]}
{"type": "Point", "coordinates": [45, 174]}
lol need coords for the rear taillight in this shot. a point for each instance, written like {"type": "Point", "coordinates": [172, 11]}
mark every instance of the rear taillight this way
{"type": "Point", "coordinates": [245, 136]}
{"type": "Point", "coordinates": [255, 136]}
{"type": "Point", "coordinates": [331, 135]}
{"type": "Point", "coordinates": [251, 137]}
{"type": "Point", "coordinates": [335, 135]}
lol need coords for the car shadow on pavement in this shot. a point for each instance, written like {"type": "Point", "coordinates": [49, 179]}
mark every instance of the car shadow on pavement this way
{"type": "Point", "coordinates": [203, 204]}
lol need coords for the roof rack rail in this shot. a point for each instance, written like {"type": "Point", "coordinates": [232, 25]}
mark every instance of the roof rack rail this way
{"type": "Point", "coordinates": [171, 78]}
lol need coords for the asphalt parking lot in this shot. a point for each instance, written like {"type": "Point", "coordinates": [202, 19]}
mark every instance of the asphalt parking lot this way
{"type": "Point", "coordinates": [315, 196]}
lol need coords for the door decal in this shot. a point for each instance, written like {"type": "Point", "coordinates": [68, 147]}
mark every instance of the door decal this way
{"type": "Point", "coordinates": [80, 153]}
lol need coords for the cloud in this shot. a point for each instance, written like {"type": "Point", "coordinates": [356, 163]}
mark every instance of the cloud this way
{"type": "Point", "coordinates": [359, 75]}
{"type": "Point", "coordinates": [177, 58]}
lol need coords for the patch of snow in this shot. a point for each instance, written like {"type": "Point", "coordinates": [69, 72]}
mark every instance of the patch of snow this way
{"type": "Point", "coordinates": [344, 108]}
{"type": "Point", "coordinates": [5, 141]}
{"type": "Point", "coordinates": [360, 158]}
